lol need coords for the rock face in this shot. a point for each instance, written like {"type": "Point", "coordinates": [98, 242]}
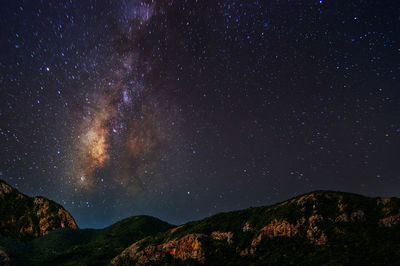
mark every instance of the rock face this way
{"type": "Point", "coordinates": [303, 228]}
{"type": "Point", "coordinates": [4, 258]}
{"type": "Point", "coordinates": [26, 218]}
{"type": "Point", "coordinates": [223, 236]}
{"type": "Point", "coordinates": [390, 221]}
{"type": "Point", "coordinates": [309, 223]}
{"type": "Point", "coordinates": [188, 247]}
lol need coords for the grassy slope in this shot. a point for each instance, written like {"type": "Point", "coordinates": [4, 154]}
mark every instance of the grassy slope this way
{"type": "Point", "coordinates": [83, 246]}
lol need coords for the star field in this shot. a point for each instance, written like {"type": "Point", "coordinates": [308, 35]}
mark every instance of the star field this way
{"type": "Point", "coordinates": [181, 109]}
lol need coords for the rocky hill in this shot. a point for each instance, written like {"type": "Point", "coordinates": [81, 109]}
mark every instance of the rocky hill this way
{"type": "Point", "coordinates": [26, 218]}
{"type": "Point", "coordinates": [319, 228]}
{"type": "Point", "coordinates": [322, 228]}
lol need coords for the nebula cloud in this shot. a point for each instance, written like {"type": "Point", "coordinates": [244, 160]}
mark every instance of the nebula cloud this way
{"type": "Point", "coordinates": [92, 147]}
{"type": "Point", "coordinates": [123, 127]}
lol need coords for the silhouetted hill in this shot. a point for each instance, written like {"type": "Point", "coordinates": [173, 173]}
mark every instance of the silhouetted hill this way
{"type": "Point", "coordinates": [82, 246]}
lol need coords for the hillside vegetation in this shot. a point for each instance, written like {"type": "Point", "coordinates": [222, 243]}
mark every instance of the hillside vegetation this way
{"type": "Point", "coordinates": [318, 228]}
{"type": "Point", "coordinates": [322, 227]}
{"type": "Point", "coordinates": [82, 246]}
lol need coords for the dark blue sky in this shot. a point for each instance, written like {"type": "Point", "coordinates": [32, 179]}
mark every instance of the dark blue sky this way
{"type": "Point", "coordinates": [181, 109]}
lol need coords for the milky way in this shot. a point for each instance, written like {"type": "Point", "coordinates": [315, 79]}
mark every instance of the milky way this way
{"type": "Point", "coordinates": [181, 109]}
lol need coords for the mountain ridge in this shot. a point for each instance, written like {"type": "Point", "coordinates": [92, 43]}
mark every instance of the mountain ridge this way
{"type": "Point", "coordinates": [323, 226]}
{"type": "Point", "coordinates": [320, 227]}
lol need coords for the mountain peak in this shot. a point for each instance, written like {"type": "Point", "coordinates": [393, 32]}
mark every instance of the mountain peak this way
{"type": "Point", "coordinates": [4, 188]}
{"type": "Point", "coordinates": [25, 218]}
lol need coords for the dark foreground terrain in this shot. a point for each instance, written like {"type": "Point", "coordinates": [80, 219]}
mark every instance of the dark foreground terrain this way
{"type": "Point", "coordinates": [319, 228]}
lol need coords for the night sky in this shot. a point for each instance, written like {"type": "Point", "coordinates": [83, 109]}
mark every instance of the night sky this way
{"type": "Point", "coordinates": [182, 109]}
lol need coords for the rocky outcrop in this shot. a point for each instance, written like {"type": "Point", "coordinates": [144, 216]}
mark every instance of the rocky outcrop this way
{"type": "Point", "coordinates": [26, 218]}
{"type": "Point", "coordinates": [175, 228]}
{"type": "Point", "coordinates": [283, 228]}
{"type": "Point", "coordinates": [357, 216]}
{"type": "Point", "coordinates": [390, 221]}
{"type": "Point", "coordinates": [187, 247]}
{"type": "Point", "coordinates": [222, 236]}
{"type": "Point", "coordinates": [66, 219]}
{"type": "Point", "coordinates": [305, 199]}
{"type": "Point", "coordinates": [4, 189]}
{"type": "Point", "coordinates": [275, 229]}
{"type": "Point", "coordinates": [342, 218]}
{"type": "Point", "coordinates": [4, 258]}
{"type": "Point", "coordinates": [246, 227]}
{"type": "Point", "coordinates": [314, 233]}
